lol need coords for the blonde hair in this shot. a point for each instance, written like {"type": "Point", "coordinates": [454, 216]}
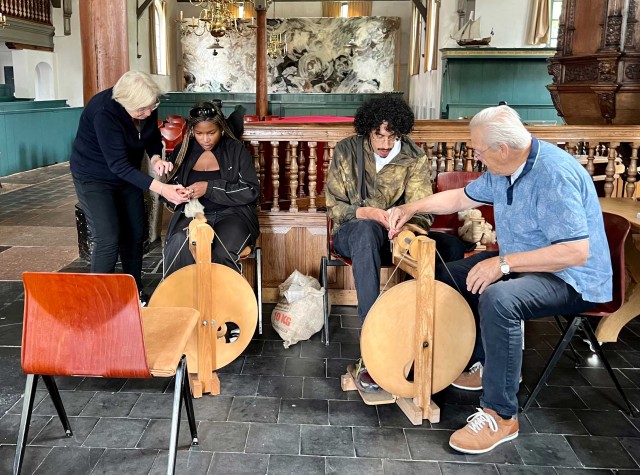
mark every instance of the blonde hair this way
{"type": "Point", "coordinates": [502, 125]}
{"type": "Point", "coordinates": [135, 90]}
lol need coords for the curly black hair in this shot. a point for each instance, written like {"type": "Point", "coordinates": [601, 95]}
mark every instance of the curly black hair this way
{"type": "Point", "coordinates": [386, 108]}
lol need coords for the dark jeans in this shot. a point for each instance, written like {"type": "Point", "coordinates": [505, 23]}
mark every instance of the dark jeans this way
{"type": "Point", "coordinates": [499, 311]}
{"type": "Point", "coordinates": [115, 215]}
{"type": "Point", "coordinates": [230, 230]}
{"type": "Point", "coordinates": [365, 242]}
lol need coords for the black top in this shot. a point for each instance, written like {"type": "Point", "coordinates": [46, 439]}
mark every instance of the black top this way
{"type": "Point", "coordinates": [109, 147]}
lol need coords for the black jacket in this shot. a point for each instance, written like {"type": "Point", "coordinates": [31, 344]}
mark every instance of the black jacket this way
{"type": "Point", "coordinates": [108, 146]}
{"type": "Point", "coordinates": [238, 187]}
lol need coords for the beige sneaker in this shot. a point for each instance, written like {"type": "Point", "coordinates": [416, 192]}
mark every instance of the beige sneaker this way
{"type": "Point", "coordinates": [470, 380]}
{"type": "Point", "coordinates": [485, 430]}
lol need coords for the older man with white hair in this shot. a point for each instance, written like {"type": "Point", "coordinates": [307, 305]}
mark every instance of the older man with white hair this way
{"type": "Point", "coordinates": [553, 259]}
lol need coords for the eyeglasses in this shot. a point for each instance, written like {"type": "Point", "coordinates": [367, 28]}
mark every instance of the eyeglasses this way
{"type": "Point", "coordinates": [207, 112]}
{"type": "Point", "coordinates": [385, 138]}
{"type": "Point", "coordinates": [476, 153]}
{"type": "Point", "coordinates": [142, 110]}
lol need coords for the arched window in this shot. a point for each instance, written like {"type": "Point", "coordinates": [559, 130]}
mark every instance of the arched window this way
{"type": "Point", "coordinates": [158, 37]}
{"type": "Point", "coordinates": [44, 82]}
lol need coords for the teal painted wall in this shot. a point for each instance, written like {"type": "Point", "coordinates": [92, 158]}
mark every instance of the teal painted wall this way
{"type": "Point", "coordinates": [35, 138]}
{"type": "Point", "coordinates": [473, 83]}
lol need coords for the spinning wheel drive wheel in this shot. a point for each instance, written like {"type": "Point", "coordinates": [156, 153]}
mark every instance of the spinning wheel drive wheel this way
{"type": "Point", "coordinates": [388, 342]}
{"type": "Point", "coordinates": [234, 306]}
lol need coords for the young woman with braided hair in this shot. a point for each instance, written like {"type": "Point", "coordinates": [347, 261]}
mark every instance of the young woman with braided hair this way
{"type": "Point", "coordinates": [216, 168]}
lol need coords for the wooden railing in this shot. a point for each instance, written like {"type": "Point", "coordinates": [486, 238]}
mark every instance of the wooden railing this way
{"type": "Point", "coordinates": [293, 160]}
{"type": "Point", "coordinates": [38, 11]}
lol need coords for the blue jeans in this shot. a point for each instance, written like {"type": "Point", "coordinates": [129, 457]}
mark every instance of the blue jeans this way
{"type": "Point", "coordinates": [366, 243]}
{"type": "Point", "coordinates": [498, 312]}
{"type": "Point", "coordinates": [115, 215]}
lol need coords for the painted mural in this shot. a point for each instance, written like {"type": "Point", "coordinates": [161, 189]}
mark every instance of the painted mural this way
{"type": "Point", "coordinates": [324, 55]}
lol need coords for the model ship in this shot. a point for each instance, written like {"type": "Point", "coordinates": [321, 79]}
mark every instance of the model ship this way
{"type": "Point", "coordinates": [469, 34]}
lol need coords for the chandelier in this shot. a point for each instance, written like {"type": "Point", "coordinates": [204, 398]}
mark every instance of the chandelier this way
{"type": "Point", "coordinates": [277, 45]}
{"type": "Point", "coordinates": [218, 18]}
{"type": "Point", "coordinates": [3, 21]}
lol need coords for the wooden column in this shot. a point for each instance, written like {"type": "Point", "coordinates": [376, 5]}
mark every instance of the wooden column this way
{"type": "Point", "coordinates": [105, 45]}
{"type": "Point", "coordinates": [261, 65]}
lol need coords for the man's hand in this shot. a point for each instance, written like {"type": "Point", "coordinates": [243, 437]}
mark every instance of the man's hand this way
{"type": "Point", "coordinates": [483, 274]}
{"type": "Point", "coordinates": [398, 217]}
{"type": "Point", "coordinates": [161, 166]}
{"type": "Point", "coordinates": [376, 214]}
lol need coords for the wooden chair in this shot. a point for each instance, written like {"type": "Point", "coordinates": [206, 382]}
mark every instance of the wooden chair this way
{"type": "Point", "coordinates": [91, 325]}
{"type": "Point", "coordinates": [175, 119]}
{"type": "Point", "coordinates": [172, 135]}
{"type": "Point", "coordinates": [255, 253]}
{"type": "Point", "coordinates": [617, 229]}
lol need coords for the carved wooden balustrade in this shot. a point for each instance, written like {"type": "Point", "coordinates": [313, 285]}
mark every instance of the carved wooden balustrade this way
{"type": "Point", "coordinates": [293, 160]}
{"type": "Point", "coordinates": [38, 11]}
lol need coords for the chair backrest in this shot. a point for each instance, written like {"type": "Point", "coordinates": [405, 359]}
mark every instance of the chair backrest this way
{"type": "Point", "coordinates": [82, 325]}
{"type": "Point", "coordinates": [171, 136]}
{"type": "Point", "coordinates": [175, 119]}
{"type": "Point", "coordinates": [617, 229]}
{"type": "Point", "coordinates": [449, 223]}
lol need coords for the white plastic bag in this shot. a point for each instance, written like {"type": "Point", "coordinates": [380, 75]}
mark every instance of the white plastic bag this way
{"type": "Point", "coordinates": [299, 311]}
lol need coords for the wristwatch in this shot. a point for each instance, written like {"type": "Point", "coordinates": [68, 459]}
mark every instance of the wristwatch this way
{"type": "Point", "coordinates": [504, 266]}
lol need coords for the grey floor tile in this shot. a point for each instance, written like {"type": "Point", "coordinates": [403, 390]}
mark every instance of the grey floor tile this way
{"type": "Point", "coordinates": [405, 467]}
{"type": "Point", "coordinates": [10, 425]}
{"type": "Point", "coordinates": [353, 466]}
{"type": "Point", "coordinates": [599, 377]}
{"type": "Point", "coordinates": [379, 442]}
{"type": "Point", "coordinates": [144, 385]}
{"type": "Point", "coordinates": [280, 386]}
{"type": "Point", "coordinates": [54, 434]}
{"type": "Point", "coordinates": [560, 397]}
{"type": "Point", "coordinates": [391, 415]}
{"type": "Point", "coordinates": [274, 439]}
{"type": "Point", "coordinates": [125, 461]}
{"type": "Point", "coordinates": [276, 348]}
{"type": "Point", "coordinates": [223, 436]}
{"type": "Point", "coordinates": [73, 401]}
{"type": "Point", "coordinates": [238, 385]}
{"type": "Point", "coordinates": [317, 349]}
{"type": "Point", "coordinates": [352, 413]}
{"type": "Point", "coordinates": [304, 411]}
{"type": "Point", "coordinates": [525, 470]}
{"type": "Point", "coordinates": [154, 406]}
{"type": "Point", "coordinates": [327, 440]}
{"type": "Point", "coordinates": [255, 409]}
{"type": "Point", "coordinates": [17, 407]}
{"type": "Point", "coordinates": [102, 384]}
{"type": "Point", "coordinates": [336, 367]}
{"type": "Point", "coordinates": [591, 471]}
{"type": "Point", "coordinates": [600, 452]}
{"type": "Point", "coordinates": [451, 468]}
{"type": "Point", "coordinates": [296, 465]}
{"type": "Point", "coordinates": [212, 408]}
{"type": "Point", "coordinates": [239, 464]}
{"type": "Point", "coordinates": [69, 461]}
{"type": "Point", "coordinates": [323, 388]}
{"type": "Point", "coordinates": [33, 457]}
{"type": "Point", "coordinates": [192, 462]}
{"type": "Point", "coordinates": [607, 423]}
{"type": "Point", "coordinates": [309, 367]}
{"type": "Point", "coordinates": [555, 421]}
{"type": "Point", "coordinates": [116, 433]}
{"type": "Point", "coordinates": [431, 445]}
{"type": "Point", "coordinates": [107, 404]}
{"type": "Point", "coordinates": [545, 449]}
{"type": "Point", "coordinates": [264, 365]}
{"type": "Point", "coordinates": [157, 435]}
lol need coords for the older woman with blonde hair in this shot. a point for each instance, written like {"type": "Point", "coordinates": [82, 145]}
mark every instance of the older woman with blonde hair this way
{"type": "Point", "coordinates": [116, 128]}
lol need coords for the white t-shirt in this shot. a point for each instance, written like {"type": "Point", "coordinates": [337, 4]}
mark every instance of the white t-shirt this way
{"type": "Point", "coordinates": [382, 161]}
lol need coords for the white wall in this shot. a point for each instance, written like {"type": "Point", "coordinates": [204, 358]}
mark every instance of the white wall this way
{"type": "Point", "coordinates": [68, 53]}
{"type": "Point", "coordinates": [5, 60]}
{"type": "Point", "coordinates": [24, 70]}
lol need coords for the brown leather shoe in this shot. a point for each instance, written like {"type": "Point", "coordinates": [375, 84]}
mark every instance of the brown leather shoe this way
{"type": "Point", "coordinates": [470, 380]}
{"type": "Point", "coordinates": [485, 430]}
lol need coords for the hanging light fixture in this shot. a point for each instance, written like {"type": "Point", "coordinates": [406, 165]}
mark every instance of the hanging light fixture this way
{"type": "Point", "coordinates": [276, 43]}
{"type": "Point", "coordinates": [218, 18]}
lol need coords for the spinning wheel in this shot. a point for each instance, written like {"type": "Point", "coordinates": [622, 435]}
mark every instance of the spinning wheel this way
{"type": "Point", "coordinates": [420, 325]}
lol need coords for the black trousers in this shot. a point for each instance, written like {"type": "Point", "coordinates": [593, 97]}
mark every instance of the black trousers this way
{"type": "Point", "coordinates": [115, 215]}
{"type": "Point", "coordinates": [232, 235]}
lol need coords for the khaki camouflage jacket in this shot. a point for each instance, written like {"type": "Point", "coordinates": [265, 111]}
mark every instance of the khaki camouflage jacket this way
{"type": "Point", "coordinates": [406, 178]}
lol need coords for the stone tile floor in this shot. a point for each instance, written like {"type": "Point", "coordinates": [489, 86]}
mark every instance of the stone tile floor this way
{"type": "Point", "coordinates": [282, 411]}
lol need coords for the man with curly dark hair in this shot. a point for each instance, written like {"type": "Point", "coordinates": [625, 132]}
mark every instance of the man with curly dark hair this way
{"type": "Point", "coordinates": [395, 171]}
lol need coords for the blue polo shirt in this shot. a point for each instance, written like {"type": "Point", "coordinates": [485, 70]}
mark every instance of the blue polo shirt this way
{"type": "Point", "coordinates": [552, 201]}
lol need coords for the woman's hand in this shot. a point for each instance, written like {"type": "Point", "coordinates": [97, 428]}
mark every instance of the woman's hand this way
{"type": "Point", "coordinates": [197, 189]}
{"type": "Point", "coordinates": [176, 194]}
{"type": "Point", "coordinates": [161, 166]}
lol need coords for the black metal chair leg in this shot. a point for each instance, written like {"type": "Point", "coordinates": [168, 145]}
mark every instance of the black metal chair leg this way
{"type": "Point", "coordinates": [576, 357]}
{"type": "Point", "coordinates": [324, 278]}
{"type": "Point", "coordinates": [557, 353]}
{"type": "Point", "coordinates": [188, 405]}
{"type": "Point", "coordinates": [25, 419]}
{"type": "Point", "coordinates": [57, 402]}
{"type": "Point", "coordinates": [633, 411]}
{"type": "Point", "coordinates": [175, 416]}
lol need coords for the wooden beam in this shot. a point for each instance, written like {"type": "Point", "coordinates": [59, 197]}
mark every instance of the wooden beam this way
{"type": "Point", "coordinates": [140, 10]}
{"type": "Point", "coordinates": [262, 105]}
{"type": "Point", "coordinates": [421, 9]}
